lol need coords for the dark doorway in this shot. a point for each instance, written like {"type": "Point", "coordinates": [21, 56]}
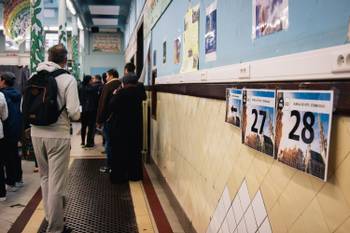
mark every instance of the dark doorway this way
{"type": "Point", "coordinates": [139, 51]}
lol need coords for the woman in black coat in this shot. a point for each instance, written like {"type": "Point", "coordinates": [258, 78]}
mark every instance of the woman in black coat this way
{"type": "Point", "coordinates": [126, 134]}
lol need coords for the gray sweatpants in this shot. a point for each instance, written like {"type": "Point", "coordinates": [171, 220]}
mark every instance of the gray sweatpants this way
{"type": "Point", "coordinates": [52, 155]}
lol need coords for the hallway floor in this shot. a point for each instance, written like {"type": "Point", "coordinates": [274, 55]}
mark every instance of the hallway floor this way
{"type": "Point", "coordinates": [23, 211]}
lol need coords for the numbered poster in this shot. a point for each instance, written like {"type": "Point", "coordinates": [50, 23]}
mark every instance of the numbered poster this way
{"type": "Point", "coordinates": [234, 106]}
{"type": "Point", "coordinates": [303, 130]}
{"type": "Point", "coordinates": [258, 125]}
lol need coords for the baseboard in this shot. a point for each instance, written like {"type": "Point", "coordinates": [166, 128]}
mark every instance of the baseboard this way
{"type": "Point", "coordinates": [175, 204]}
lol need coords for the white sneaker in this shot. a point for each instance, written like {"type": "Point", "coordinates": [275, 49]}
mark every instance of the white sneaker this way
{"type": "Point", "coordinates": [19, 184]}
{"type": "Point", "coordinates": [11, 188]}
{"type": "Point", "coordinates": [2, 199]}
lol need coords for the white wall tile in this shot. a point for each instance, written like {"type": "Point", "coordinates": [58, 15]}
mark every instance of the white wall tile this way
{"type": "Point", "coordinates": [244, 195]}
{"type": "Point", "coordinates": [226, 198]}
{"type": "Point", "coordinates": [265, 227]}
{"type": "Point", "coordinates": [237, 209]}
{"type": "Point", "coordinates": [259, 208]}
{"type": "Point", "coordinates": [231, 220]}
{"type": "Point", "coordinates": [250, 220]}
{"type": "Point", "coordinates": [242, 227]}
{"type": "Point", "coordinates": [224, 227]}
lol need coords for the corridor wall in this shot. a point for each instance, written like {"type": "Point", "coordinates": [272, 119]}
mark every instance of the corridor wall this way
{"type": "Point", "coordinates": [199, 154]}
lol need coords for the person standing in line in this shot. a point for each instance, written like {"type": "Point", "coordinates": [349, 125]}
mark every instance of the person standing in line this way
{"type": "Point", "coordinates": [52, 143]}
{"type": "Point", "coordinates": [83, 96]}
{"type": "Point", "coordinates": [3, 117]}
{"type": "Point", "coordinates": [12, 132]}
{"type": "Point", "coordinates": [127, 128]}
{"type": "Point", "coordinates": [112, 84]}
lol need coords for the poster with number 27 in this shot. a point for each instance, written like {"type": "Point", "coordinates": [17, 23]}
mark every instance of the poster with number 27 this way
{"type": "Point", "coordinates": [259, 119]}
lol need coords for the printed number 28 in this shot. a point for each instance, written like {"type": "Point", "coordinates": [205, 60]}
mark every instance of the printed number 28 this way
{"type": "Point", "coordinates": [308, 122]}
{"type": "Point", "coordinates": [263, 114]}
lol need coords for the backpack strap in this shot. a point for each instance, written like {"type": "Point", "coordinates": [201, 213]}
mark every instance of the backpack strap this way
{"type": "Point", "coordinates": [58, 72]}
{"type": "Point", "coordinates": [55, 74]}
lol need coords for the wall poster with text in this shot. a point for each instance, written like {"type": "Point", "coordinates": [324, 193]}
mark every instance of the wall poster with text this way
{"type": "Point", "coordinates": [164, 52]}
{"type": "Point", "coordinates": [234, 106]}
{"type": "Point", "coordinates": [190, 56]}
{"type": "Point", "coordinates": [152, 12]}
{"type": "Point", "coordinates": [210, 32]}
{"type": "Point", "coordinates": [177, 50]}
{"type": "Point", "coordinates": [106, 42]}
{"type": "Point", "coordinates": [303, 126]}
{"type": "Point", "coordinates": [258, 126]}
{"type": "Point", "coordinates": [269, 16]}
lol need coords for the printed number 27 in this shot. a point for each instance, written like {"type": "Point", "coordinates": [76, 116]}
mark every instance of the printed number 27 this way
{"type": "Point", "coordinates": [263, 114]}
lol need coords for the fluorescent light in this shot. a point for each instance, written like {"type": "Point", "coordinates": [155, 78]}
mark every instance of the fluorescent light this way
{"type": "Point", "coordinates": [53, 28]}
{"type": "Point", "coordinates": [49, 13]}
{"type": "Point", "coordinates": [70, 7]}
{"type": "Point", "coordinates": [105, 22]}
{"type": "Point", "coordinates": [104, 9]}
{"type": "Point", "coordinates": [80, 25]}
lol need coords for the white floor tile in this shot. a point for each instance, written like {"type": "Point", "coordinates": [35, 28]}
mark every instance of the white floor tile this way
{"type": "Point", "coordinates": [259, 208]}
{"type": "Point", "coordinates": [250, 220]}
{"type": "Point", "coordinates": [226, 198]}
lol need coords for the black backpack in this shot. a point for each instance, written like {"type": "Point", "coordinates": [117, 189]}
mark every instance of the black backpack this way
{"type": "Point", "coordinates": [40, 106]}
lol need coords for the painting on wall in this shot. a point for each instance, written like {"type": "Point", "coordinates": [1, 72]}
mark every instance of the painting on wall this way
{"type": "Point", "coordinates": [154, 58]}
{"type": "Point", "coordinates": [234, 106]}
{"type": "Point", "coordinates": [303, 126]}
{"type": "Point", "coordinates": [106, 42]}
{"type": "Point", "coordinates": [210, 32]}
{"type": "Point", "coordinates": [16, 20]}
{"type": "Point", "coordinates": [258, 126]}
{"type": "Point", "coordinates": [177, 50]}
{"type": "Point", "coordinates": [153, 11]}
{"type": "Point", "coordinates": [269, 16]}
{"type": "Point", "coordinates": [164, 52]}
{"type": "Point", "coordinates": [190, 61]}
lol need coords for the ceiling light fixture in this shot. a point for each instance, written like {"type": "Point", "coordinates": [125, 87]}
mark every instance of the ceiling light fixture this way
{"type": "Point", "coordinates": [80, 25]}
{"type": "Point", "coordinates": [104, 9]}
{"type": "Point", "coordinates": [105, 22]}
{"type": "Point", "coordinates": [70, 7]}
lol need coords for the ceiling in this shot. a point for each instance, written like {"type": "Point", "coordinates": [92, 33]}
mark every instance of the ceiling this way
{"type": "Point", "coordinates": [103, 13]}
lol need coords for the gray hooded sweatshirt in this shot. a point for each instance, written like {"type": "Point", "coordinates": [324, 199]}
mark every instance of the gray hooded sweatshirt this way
{"type": "Point", "coordinates": [67, 95]}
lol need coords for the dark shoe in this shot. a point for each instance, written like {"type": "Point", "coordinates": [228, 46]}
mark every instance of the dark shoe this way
{"type": "Point", "coordinates": [89, 145]}
{"type": "Point", "coordinates": [105, 170]}
{"type": "Point", "coordinates": [67, 230]}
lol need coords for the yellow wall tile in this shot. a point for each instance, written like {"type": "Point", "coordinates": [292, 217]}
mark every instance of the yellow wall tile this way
{"type": "Point", "coordinates": [199, 154]}
{"type": "Point", "coordinates": [333, 204]}
{"type": "Point", "coordinates": [311, 220]}
{"type": "Point", "coordinates": [344, 228]}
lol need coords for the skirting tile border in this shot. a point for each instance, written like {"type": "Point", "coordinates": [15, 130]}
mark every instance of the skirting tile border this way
{"type": "Point", "coordinates": [26, 214]}
{"type": "Point", "coordinates": [179, 211]}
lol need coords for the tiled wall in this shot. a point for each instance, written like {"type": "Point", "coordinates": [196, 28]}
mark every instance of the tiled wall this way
{"type": "Point", "coordinates": [199, 154]}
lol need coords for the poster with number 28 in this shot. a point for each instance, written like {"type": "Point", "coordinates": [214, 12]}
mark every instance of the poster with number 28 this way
{"type": "Point", "coordinates": [259, 119]}
{"type": "Point", "coordinates": [303, 125]}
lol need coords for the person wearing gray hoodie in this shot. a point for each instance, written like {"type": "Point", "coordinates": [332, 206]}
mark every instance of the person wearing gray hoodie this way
{"type": "Point", "coordinates": [52, 143]}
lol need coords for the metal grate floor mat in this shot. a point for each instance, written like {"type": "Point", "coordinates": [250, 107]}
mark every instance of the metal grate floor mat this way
{"type": "Point", "coordinates": [94, 204]}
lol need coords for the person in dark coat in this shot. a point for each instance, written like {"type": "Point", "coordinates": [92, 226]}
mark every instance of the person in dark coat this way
{"type": "Point", "coordinates": [126, 134]}
{"type": "Point", "coordinates": [12, 131]}
{"type": "Point", "coordinates": [90, 94]}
